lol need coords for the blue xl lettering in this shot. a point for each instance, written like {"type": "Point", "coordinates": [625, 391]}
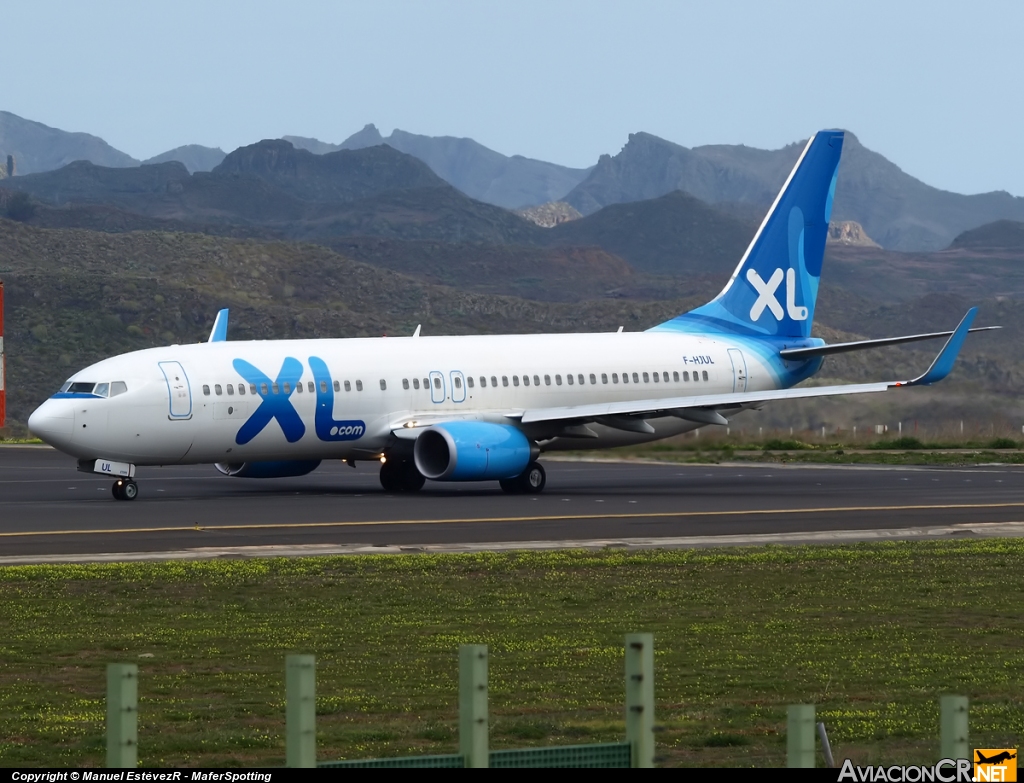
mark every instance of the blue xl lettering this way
{"type": "Point", "coordinates": [327, 427]}
{"type": "Point", "coordinates": [273, 405]}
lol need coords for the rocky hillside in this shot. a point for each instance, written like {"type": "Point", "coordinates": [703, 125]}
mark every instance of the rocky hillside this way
{"type": "Point", "coordinates": [195, 157]}
{"type": "Point", "coordinates": [479, 172]}
{"type": "Point", "coordinates": [897, 210]}
{"type": "Point", "coordinates": [37, 147]}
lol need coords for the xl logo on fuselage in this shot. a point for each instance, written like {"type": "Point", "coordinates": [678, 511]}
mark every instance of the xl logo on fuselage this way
{"type": "Point", "coordinates": [275, 403]}
{"type": "Point", "coordinates": [766, 295]}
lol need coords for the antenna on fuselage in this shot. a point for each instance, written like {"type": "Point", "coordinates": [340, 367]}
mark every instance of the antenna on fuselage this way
{"type": "Point", "coordinates": [620, 331]}
{"type": "Point", "coordinates": [417, 332]}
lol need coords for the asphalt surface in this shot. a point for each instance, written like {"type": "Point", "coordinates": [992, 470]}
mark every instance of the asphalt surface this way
{"type": "Point", "coordinates": [48, 508]}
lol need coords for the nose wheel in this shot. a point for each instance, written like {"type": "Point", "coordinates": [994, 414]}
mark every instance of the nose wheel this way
{"type": "Point", "coordinates": [125, 489]}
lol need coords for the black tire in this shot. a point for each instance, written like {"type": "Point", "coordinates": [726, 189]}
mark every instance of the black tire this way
{"type": "Point", "coordinates": [412, 479]}
{"type": "Point", "coordinates": [530, 482]}
{"type": "Point", "coordinates": [391, 476]}
{"type": "Point", "coordinates": [115, 490]}
{"type": "Point", "coordinates": [533, 479]}
{"type": "Point", "coordinates": [130, 490]}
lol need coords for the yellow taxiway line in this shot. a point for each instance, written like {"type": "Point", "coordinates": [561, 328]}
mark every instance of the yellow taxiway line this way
{"type": "Point", "coordinates": [539, 518]}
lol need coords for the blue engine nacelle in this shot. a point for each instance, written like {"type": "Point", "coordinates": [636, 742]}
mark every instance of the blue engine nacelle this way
{"type": "Point", "coordinates": [282, 469]}
{"type": "Point", "coordinates": [472, 451]}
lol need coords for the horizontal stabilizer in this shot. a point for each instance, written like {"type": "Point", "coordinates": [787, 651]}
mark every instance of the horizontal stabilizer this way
{"type": "Point", "coordinates": [863, 345]}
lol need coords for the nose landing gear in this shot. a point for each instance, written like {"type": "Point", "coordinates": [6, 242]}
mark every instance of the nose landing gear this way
{"type": "Point", "coordinates": [125, 489]}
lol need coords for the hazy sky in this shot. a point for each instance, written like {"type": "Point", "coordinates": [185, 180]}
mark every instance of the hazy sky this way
{"type": "Point", "coordinates": [934, 86]}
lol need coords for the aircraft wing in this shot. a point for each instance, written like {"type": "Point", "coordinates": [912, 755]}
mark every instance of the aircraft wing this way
{"type": "Point", "coordinates": [703, 408]}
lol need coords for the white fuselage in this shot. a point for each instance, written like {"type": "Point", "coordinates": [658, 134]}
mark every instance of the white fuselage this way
{"type": "Point", "coordinates": [194, 403]}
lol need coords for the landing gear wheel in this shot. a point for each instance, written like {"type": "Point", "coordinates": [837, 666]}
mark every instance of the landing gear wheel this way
{"type": "Point", "coordinates": [401, 476]}
{"type": "Point", "coordinates": [124, 490]}
{"type": "Point", "coordinates": [530, 481]}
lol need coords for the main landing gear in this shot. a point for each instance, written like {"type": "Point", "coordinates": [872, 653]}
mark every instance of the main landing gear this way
{"type": "Point", "coordinates": [530, 481]}
{"type": "Point", "coordinates": [401, 476]}
{"type": "Point", "coordinates": [125, 489]}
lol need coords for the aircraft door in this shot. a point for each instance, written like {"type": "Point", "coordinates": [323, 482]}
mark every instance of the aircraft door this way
{"type": "Point", "coordinates": [739, 370]}
{"type": "Point", "coordinates": [458, 387]}
{"type": "Point", "coordinates": [179, 391]}
{"type": "Point", "coordinates": [437, 391]}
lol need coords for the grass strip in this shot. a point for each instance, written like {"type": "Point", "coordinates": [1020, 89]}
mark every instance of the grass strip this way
{"type": "Point", "coordinates": [871, 633]}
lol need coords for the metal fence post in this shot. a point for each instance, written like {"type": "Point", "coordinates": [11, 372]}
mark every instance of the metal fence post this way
{"type": "Point", "coordinates": [953, 727]}
{"type": "Point", "coordinates": [800, 736]}
{"type": "Point", "coordinates": [300, 711]}
{"type": "Point", "coordinates": [640, 698]}
{"type": "Point", "coordinates": [122, 715]}
{"type": "Point", "coordinates": [473, 724]}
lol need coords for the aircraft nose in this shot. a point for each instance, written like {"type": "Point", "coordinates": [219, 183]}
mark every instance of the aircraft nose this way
{"type": "Point", "coordinates": [53, 422]}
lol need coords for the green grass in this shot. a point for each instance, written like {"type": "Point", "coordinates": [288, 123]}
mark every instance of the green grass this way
{"type": "Point", "coordinates": [872, 633]}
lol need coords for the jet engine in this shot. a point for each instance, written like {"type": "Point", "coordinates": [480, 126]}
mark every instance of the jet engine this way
{"type": "Point", "coordinates": [472, 451]}
{"type": "Point", "coordinates": [281, 469]}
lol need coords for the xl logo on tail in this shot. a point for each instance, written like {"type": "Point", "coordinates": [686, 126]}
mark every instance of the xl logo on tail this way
{"type": "Point", "coordinates": [766, 295]}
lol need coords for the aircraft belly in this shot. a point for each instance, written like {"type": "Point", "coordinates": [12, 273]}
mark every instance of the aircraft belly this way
{"type": "Point", "coordinates": [608, 437]}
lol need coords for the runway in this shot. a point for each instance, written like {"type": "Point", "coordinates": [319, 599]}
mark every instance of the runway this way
{"type": "Point", "coordinates": [48, 509]}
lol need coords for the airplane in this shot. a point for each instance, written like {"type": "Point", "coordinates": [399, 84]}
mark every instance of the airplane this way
{"type": "Point", "coordinates": [996, 759]}
{"type": "Point", "coordinates": [477, 408]}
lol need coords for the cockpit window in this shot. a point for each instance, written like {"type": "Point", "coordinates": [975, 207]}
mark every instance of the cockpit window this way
{"type": "Point", "coordinates": [81, 388]}
{"type": "Point", "coordinates": [118, 387]}
{"type": "Point", "coordinates": [102, 390]}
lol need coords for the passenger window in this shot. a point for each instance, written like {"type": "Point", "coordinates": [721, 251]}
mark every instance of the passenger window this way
{"type": "Point", "coordinates": [686, 377]}
{"type": "Point", "coordinates": [604, 377]}
{"type": "Point", "coordinates": [636, 379]}
{"type": "Point", "coordinates": [118, 387]}
{"type": "Point", "coordinates": [309, 387]}
{"type": "Point", "coordinates": [359, 385]}
{"type": "Point", "coordinates": [558, 380]}
{"type": "Point", "coordinates": [263, 389]}
{"type": "Point", "coordinates": [675, 377]}
{"type": "Point", "coordinates": [405, 383]}
{"type": "Point", "coordinates": [241, 389]}
{"type": "Point", "coordinates": [615, 377]}
{"type": "Point", "coordinates": [276, 389]}
{"type": "Point", "coordinates": [625, 377]}
{"type": "Point", "coordinates": [483, 382]}
{"type": "Point", "coordinates": [705, 374]}
{"type": "Point", "coordinates": [206, 390]}
{"type": "Point", "coordinates": [383, 385]}
{"type": "Point", "coordinates": [218, 391]}
{"type": "Point", "coordinates": [426, 384]}
{"type": "Point", "coordinates": [469, 381]}
{"type": "Point", "coordinates": [458, 382]}
{"type": "Point", "coordinates": [348, 385]}
{"type": "Point", "coordinates": [252, 388]}
{"type": "Point", "coordinates": [593, 379]}
{"type": "Point", "coordinates": [415, 383]}
{"type": "Point", "coordinates": [696, 376]}
{"type": "Point", "coordinates": [646, 378]}
{"type": "Point", "coordinates": [536, 380]}
{"type": "Point", "coordinates": [494, 380]}
{"type": "Point", "coordinates": [504, 380]}
{"type": "Point", "coordinates": [103, 390]}
{"type": "Point", "coordinates": [526, 380]}
{"type": "Point", "coordinates": [323, 387]}
{"type": "Point", "coordinates": [569, 379]}
{"type": "Point", "coordinates": [664, 377]}
{"type": "Point", "coordinates": [437, 383]}
{"type": "Point", "coordinates": [580, 376]}
{"type": "Point", "coordinates": [515, 380]}
{"type": "Point", "coordinates": [287, 388]}
{"type": "Point", "coordinates": [547, 380]}
{"type": "Point", "coordinates": [231, 389]}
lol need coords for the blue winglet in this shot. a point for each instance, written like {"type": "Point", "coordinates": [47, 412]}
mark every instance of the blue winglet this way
{"type": "Point", "coordinates": [219, 333]}
{"type": "Point", "coordinates": [944, 362]}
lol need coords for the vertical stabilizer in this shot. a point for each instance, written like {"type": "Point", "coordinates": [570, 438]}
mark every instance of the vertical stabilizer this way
{"type": "Point", "coordinates": [774, 288]}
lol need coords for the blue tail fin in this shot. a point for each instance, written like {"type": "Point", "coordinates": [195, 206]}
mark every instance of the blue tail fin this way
{"type": "Point", "coordinates": [773, 290]}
